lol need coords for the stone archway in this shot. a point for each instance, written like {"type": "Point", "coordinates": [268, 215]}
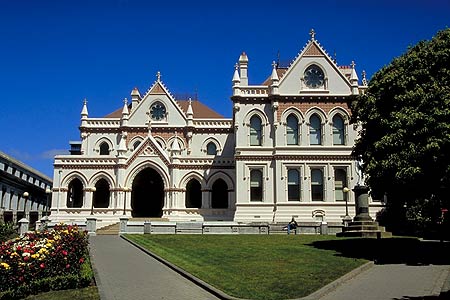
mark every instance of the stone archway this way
{"type": "Point", "coordinates": [147, 194]}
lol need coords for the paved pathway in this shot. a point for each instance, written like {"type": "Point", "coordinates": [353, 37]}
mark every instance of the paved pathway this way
{"type": "Point", "coordinates": [397, 281]}
{"type": "Point", "coordinates": [125, 272]}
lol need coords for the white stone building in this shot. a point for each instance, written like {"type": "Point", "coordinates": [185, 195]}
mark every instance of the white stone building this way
{"type": "Point", "coordinates": [24, 191]}
{"type": "Point", "coordinates": [286, 151]}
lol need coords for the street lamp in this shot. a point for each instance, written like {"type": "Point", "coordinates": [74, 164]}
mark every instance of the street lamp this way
{"type": "Point", "coordinates": [48, 192]}
{"type": "Point", "coordinates": [125, 190]}
{"type": "Point", "coordinates": [347, 218]}
{"type": "Point", "coordinates": [93, 189]}
{"type": "Point", "coordinates": [25, 195]}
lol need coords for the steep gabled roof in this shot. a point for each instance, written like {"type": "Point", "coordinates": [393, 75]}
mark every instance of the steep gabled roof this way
{"type": "Point", "coordinates": [201, 111]}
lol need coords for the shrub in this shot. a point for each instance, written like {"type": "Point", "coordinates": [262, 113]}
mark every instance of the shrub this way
{"type": "Point", "coordinates": [7, 231]}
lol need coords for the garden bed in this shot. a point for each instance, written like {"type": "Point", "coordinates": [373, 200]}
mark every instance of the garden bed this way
{"type": "Point", "coordinates": [43, 261]}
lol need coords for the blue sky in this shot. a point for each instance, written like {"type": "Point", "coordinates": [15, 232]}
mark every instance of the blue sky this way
{"type": "Point", "coordinates": [53, 54]}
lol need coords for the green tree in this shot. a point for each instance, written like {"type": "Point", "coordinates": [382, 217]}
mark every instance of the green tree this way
{"type": "Point", "coordinates": [405, 136]}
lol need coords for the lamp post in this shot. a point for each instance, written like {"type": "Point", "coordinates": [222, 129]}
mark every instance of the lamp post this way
{"type": "Point", "coordinates": [347, 218]}
{"type": "Point", "coordinates": [48, 192]}
{"type": "Point", "coordinates": [93, 189]}
{"type": "Point", "coordinates": [25, 195]}
{"type": "Point", "coordinates": [125, 191]}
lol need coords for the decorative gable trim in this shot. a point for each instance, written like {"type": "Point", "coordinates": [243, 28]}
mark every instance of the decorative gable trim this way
{"type": "Point", "coordinates": [149, 147]}
{"type": "Point", "coordinates": [313, 50]}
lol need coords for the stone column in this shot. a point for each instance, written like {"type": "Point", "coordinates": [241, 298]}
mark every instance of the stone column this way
{"type": "Point", "coordinates": [91, 225]}
{"type": "Point", "coordinates": [361, 203]}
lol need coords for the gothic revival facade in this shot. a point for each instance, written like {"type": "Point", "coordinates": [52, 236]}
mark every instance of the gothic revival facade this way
{"type": "Point", "coordinates": [285, 152]}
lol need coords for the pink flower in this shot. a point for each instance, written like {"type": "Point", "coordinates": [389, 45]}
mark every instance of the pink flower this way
{"type": "Point", "coordinates": [42, 266]}
{"type": "Point", "coordinates": [64, 252]}
{"type": "Point", "coordinates": [67, 266]}
{"type": "Point", "coordinates": [81, 260]}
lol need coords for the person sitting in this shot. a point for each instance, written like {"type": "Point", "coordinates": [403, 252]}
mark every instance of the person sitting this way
{"type": "Point", "coordinates": [292, 225]}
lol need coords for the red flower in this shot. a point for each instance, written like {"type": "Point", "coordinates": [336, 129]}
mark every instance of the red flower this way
{"type": "Point", "coordinates": [81, 260]}
{"type": "Point", "coordinates": [67, 266]}
{"type": "Point", "coordinates": [64, 252]}
{"type": "Point", "coordinates": [26, 258]}
{"type": "Point", "coordinates": [42, 266]}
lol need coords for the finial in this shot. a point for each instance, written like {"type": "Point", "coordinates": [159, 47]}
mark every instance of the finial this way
{"type": "Point", "coordinates": [158, 76]}
{"type": "Point", "coordinates": [236, 66]}
{"type": "Point", "coordinates": [274, 64]}
{"type": "Point", "coordinates": [85, 101]}
{"type": "Point", "coordinates": [353, 64]}
{"type": "Point", "coordinates": [364, 79]}
{"type": "Point", "coordinates": [125, 101]}
{"type": "Point", "coordinates": [312, 33]}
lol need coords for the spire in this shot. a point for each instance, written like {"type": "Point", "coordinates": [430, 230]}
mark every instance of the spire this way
{"type": "Point", "coordinates": [125, 107]}
{"type": "Point", "coordinates": [190, 112]}
{"type": "Point", "coordinates": [236, 78]}
{"type": "Point", "coordinates": [125, 112]}
{"type": "Point", "coordinates": [354, 80]}
{"type": "Point", "coordinates": [275, 79]}
{"type": "Point", "coordinates": [364, 79]}
{"type": "Point", "coordinates": [274, 72]}
{"type": "Point", "coordinates": [122, 146]}
{"type": "Point", "coordinates": [84, 113]}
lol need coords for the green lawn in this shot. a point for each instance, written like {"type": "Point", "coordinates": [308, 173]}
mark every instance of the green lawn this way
{"type": "Point", "coordinates": [254, 266]}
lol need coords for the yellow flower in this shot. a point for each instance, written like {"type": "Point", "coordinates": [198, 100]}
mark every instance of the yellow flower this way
{"type": "Point", "coordinates": [36, 255]}
{"type": "Point", "coordinates": [5, 265]}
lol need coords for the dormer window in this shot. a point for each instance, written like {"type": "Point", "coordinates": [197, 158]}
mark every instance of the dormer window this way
{"type": "Point", "coordinates": [314, 77]}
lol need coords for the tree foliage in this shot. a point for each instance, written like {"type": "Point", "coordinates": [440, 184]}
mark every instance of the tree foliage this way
{"type": "Point", "coordinates": [405, 118]}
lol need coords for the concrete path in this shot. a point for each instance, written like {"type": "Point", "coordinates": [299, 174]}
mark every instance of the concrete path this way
{"type": "Point", "coordinates": [396, 281]}
{"type": "Point", "coordinates": [125, 272]}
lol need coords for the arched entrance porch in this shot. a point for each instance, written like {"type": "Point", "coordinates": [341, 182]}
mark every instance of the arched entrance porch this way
{"type": "Point", "coordinates": [147, 194]}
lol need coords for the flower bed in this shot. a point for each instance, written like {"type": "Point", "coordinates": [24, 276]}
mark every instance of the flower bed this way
{"type": "Point", "coordinates": [43, 261]}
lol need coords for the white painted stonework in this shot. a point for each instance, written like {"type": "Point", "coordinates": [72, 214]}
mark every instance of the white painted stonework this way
{"type": "Point", "coordinates": [179, 160]}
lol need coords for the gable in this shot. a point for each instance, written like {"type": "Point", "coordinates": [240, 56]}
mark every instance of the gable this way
{"type": "Point", "coordinates": [292, 83]}
{"type": "Point", "coordinates": [149, 148]}
{"type": "Point", "coordinates": [157, 94]}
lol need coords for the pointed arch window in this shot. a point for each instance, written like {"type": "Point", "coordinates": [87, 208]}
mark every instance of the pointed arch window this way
{"type": "Point", "coordinates": [193, 194]}
{"type": "Point", "coordinates": [219, 195]}
{"type": "Point", "coordinates": [338, 130]}
{"type": "Point", "coordinates": [256, 185]}
{"type": "Point", "coordinates": [136, 144]}
{"type": "Point", "coordinates": [255, 131]}
{"type": "Point", "coordinates": [315, 130]}
{"type": "Point", "coordinates": [293, 185]}
{"type": "Point", "coordinates": [75, 194]}
{"type": "Point", "coordinates": [104, 148]}
{"type": "Point", "coordinates": [317, 185]}
{"type": "Point", "coordinates": [292, 130]}
{"type": "Point", "coordinates": [101, 194]}
{"type": "Point", "coordinates": [211, 149]}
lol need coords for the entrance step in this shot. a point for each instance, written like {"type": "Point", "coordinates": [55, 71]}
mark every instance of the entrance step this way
{"type": "Point", "coordinates": [112, 229]}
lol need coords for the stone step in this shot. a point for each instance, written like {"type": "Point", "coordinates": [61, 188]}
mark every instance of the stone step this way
{"type": "Point", "coordinates": [360, 223]}
{"type": "Point", "coordinates": [140, 219]}
{"type": "Point", "coordinates": [362, 227]}
{"type": "Point", "coordinates": [112, 229]}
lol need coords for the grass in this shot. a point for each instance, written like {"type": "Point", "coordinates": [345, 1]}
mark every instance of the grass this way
{"type": "Point", "coordinates": [254, 266]}
{"type": "Point", "coordinates": [88, 293]}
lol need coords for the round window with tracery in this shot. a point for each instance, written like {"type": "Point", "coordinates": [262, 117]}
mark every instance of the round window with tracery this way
{"type": "Point", "coordinates": [158, 111]}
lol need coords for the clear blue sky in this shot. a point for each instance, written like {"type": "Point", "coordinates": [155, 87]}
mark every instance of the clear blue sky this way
{"type": "Point", "coordinates": [53, 54]}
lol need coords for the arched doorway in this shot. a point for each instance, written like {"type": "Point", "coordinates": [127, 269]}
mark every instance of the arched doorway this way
{"type": "Point", "coordinates": [219, 197]}
{"type": "Point", "coordinates": [147, 194]}
{"type": "Point", "coordinates": [75, 194]}
{"type": "Point", "coordinates": [193, 194]}
{"type": "Point", "coordinates": [101, 195]}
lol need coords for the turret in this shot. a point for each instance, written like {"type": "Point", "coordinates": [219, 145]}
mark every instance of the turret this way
{"type": "Point", "coordinates": [135, 97]}
{"type": "Point", "coordinates": [243, 67]}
